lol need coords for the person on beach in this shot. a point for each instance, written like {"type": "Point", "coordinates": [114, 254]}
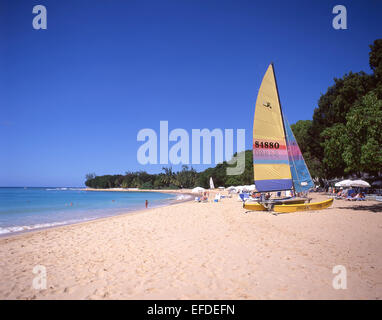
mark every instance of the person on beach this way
{"type": "Point", "coordinates": [146, 203]}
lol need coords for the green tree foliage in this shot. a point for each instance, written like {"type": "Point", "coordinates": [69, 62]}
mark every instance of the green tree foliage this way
{"type": "Point", "coordinates": [169, 179]}
{"type": "Point", "coordinates": [363, 138]}
{"type": "Point", "coordinates": [332, 115]}
{"type": "Point", "coordinates": [147, 185]}
{"type": "Point", "coordinates": [90, 176]}
{"type": "Point", "coordinates": [300, 130]}
{"type": "Point", "coordinates": [333, 146]}
{"type": "Point", "coordinates": [220, 177]}
{"type": "Point", "coordinates": [375, 58]}
{"type": "Point", "coordinates": [186, 178]}
{"type": "Point", "coordinates": [355, 146]}
{"type": "Point", "coordinates": [335, 104]}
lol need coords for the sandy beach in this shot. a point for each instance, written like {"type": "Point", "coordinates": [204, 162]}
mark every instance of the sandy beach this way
{"type": "Point", "coordinates": [202, 251]}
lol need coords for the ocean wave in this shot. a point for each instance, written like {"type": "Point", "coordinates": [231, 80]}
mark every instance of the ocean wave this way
{"type": "Point", "coordinates": [183, 197]}
{"type": "Point", "coordinates": [55, 189]}
{"type": "Point", "coordinates": [6, 230]}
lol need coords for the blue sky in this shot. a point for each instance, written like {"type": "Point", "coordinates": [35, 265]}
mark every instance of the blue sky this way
{"type": "Point", "coordinates": [73, 97]}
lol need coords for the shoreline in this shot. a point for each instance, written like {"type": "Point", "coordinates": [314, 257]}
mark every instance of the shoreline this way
{"type": "Point", "coordinates": [210, 250]}
{"type": "Point", "coordinates": [125, 214]}
{"type": "Point", "coordinates": [177, 191]}
{"type": "Point", "coordinates": [122, 212]}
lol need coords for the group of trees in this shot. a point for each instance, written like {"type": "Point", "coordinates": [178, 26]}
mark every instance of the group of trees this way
{"type": "Point", "coordinates": [220, 177]}
{"type": "Point", "coordinates": [344, 137]}
{"type": "Point", "coordinates": [168, 179]}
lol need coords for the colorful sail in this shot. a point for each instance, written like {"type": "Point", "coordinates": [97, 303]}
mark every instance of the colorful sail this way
{"type": "Point", "coordinates": [270, 156]}
{"type": "Point", "coordinates": [302, 181]}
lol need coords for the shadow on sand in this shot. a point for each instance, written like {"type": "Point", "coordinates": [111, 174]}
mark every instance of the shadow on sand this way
{"type": "Point", "coordinates": [374, 208]}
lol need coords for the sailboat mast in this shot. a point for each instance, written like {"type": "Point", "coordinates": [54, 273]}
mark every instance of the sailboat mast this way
{"type": "Point", "coordinates": [281, 109]}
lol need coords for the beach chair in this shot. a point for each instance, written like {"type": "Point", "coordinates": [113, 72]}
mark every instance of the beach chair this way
{"type": "Point", "coordinates": [217, 197]}
{"type": "Point", "coordinates": [244, 196]}
{"type": "Point", "coordinates": [349, 195]}
{"type": "Point", "coordinates": [359, 197]}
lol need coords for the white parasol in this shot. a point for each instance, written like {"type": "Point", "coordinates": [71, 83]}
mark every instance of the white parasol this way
{"type": "Point", "coordinates": [198, 190]}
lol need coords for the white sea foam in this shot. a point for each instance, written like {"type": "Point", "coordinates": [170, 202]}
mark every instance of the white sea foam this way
{"type": "Point", "coordinates": [39, 226]}
{"type": "Point", "coordinates": [183, 197]}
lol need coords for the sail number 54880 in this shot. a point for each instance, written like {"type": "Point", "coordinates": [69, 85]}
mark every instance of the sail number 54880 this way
{"type": "Point", "coordinates": [267, 145]}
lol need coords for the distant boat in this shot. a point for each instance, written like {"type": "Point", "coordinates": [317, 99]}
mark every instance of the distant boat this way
{"type": "Point", "coordinates": [278, 164]}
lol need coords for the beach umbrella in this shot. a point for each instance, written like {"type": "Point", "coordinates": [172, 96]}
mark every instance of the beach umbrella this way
{"type": "Point", "coordinates": [339, 184]}
{"type": "Point", "coordinates": [360, 183]}
{"type": "Point", "coordinates": [232, 189]}
{"type": "Point", "coordinates": [343, 183]}
{"type": "Point", "coordinates": [198, 190]}
{"type": "Point", "coordinates": [377, 183]}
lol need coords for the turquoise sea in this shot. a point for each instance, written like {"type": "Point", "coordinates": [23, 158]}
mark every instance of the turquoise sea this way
{"type": "Point", "coordinates": [23, 209]}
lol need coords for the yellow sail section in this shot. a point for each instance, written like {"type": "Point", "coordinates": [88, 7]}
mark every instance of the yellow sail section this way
{"type": "Point", "coordinates": [270, 155]}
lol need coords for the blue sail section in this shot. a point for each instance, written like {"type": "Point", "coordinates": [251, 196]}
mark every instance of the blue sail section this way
{"type": "Point", "coordinates": [302, 180]}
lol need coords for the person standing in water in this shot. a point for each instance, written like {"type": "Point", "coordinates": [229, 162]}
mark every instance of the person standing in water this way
{"type": "Point", "coordinates": [146, 203]}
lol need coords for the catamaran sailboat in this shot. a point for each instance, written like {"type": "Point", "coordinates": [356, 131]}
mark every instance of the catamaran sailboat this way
{"type": "Point", "coordinates": [278, 164]}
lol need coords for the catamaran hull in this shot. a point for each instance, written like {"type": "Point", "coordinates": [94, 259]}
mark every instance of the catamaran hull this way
{"type": "Point", "coordinates": [254, 206]}
{"type": "Point", "coordinates": [290, 201]}
{"type": "Point", "coordinates": [303, 207]}
{"type": "Point", "coordinates": [285, 208]}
